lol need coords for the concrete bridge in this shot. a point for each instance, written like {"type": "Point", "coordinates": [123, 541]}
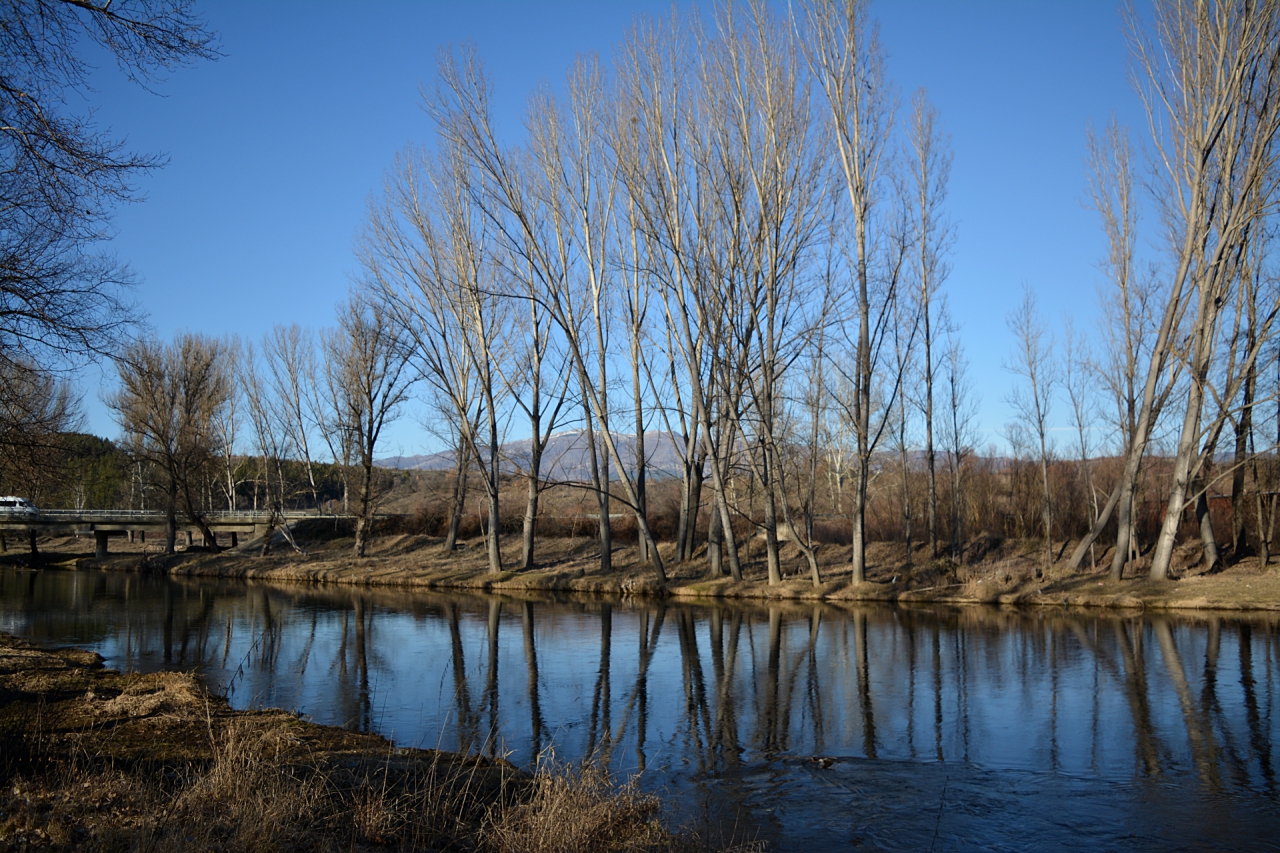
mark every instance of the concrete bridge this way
{"type": "Point", "coordinates": [105, 523]}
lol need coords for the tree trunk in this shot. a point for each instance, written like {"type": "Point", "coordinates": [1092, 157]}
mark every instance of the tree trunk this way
{"type": "Point", "coordinates": [210, 540]}
{"type": "Point", "coordinates": [929, 453]}
{"type": "Point", "coordinates": [495, 520]}
{"type": "Point", "coordinates": [1207, 538]}
{"type": "Point", "coordinates": [1244, 427]}
{"type": "Point", "coordinates": [171, 517]}
{"type": "Point", "coordinates": [458, 502]}
{"type": "Point", "coordinates": [1047, 509]}
{"type": "Point", "coordinates": [957, 550]}
{"type": "Point", "coordinates": [642, 501]}
{"type": "Point", "coordinates": [529, 531]}
{"type": "Point", "coordinates": [692, 511]}
{"type": "Point", "coordinates": [858, 555]}
{"type": "Point", "coordinates": [364, 515]}
{"type": "Point", "coordinates": [683, 552]}
{"type": "Point", "coordinates": [604, 532]}
{"type": "Point", "coordinates": [906, 492]}
{"type": "Point", "coordinates": [714, 556]}
{"type": "Point", "coordinates": [772, 559]}
{"type": "Point", "coordinates": [1185, 458]}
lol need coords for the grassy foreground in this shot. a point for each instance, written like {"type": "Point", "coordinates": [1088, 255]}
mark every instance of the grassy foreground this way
{"type": "Point", "coordinates": [96, 760]}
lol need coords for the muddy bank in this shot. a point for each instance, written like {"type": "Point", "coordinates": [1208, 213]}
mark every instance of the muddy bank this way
{"type": "Point", "coordinates": [1000, 572]}
{"type": "Point", "coordinates": [92, 759]}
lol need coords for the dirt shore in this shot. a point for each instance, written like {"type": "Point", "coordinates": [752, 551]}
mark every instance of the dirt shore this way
{"type": "Point", "coordinates": [995, 572]}
{"type": "Point", "coordinates": [97, 760]}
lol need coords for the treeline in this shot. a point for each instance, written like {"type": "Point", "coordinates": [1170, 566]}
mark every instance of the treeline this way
{"type": "Point", "coordinates": [80, 471]}
{"type": "Point", "coordinates": [737, 236]}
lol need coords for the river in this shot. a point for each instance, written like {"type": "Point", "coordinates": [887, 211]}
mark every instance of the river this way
{"type": "Point", "coordinates": [807, 726]}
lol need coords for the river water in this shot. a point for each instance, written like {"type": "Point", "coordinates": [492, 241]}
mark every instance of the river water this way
{"type": "Point", "coordinates": [807, 726]}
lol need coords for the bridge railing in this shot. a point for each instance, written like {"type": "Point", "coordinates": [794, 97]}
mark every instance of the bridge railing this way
{"type": "Point", "coordinates": [156, 514]}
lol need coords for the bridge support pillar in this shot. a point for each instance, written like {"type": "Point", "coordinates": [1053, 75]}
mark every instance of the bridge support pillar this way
{"type": "Point", "coordinates": [235, 539]}
{"type": "Point", "coordinates": [100, 544]}
{"type": "Point", "coordinates": [259, 530]}
{"type": "Point", "coordinates": [190, 541]}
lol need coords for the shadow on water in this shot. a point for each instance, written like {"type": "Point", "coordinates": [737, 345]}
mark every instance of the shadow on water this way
{"type": "Point", "coordinates": [805, 725]}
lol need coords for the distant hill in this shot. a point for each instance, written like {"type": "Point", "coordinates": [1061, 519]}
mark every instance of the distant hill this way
{"type": "Point", "coordinates": [565, 457]}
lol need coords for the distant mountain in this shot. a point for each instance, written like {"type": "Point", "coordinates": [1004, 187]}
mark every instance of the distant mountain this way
{"type": "Point", "coordinates": [565, 457]}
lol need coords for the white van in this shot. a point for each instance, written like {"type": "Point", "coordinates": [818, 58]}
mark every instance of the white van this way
{"type": "Point", "coordinates": [11, 505]}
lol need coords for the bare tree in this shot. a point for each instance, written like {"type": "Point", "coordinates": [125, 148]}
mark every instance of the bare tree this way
{"type": "Point", "coordinates": [289, 356]}
{"type": "Point", "coordinates": [636, 297]}
{"type": "Point", "coordinates": [662, 166]}
{"type": "Point", "coordinates": [576, 185]}
{"type": "Point", "coordinates": [60, 294]}
{"type": "Point", "coordinates": [537, 380]}
{"type": "Point", "coordinates": [1076, 372]}
{"type": "Point", "coordinates": [654, 68]}
{"type": "Point", "coordinates": [168, 400]}
{"type": "Point", "coordinates": [456, 435]}
{"type": "Point", "coordinates": [272, 441]}
{"type": "Point", "coordinates": [330, 413]}
{"type": "Point", "coordinates": [369, 354]}
{"type": "Point", "coordinates": [226, 422]}
{"type": "Point", "coordinates": [904, 335]}
{"type": "Point", "coordinates": [429, 256]}
{"type": "Point", "coordinates": [930, 159]}
{"type": "Point", "coordinates": [1212, 81]}
{"type": "Point", "coordinates": [548, 215]}
{"type": "Point", "coordinates": [37, 409]}
{"type": "Point", "coordinates": [767, 201]}
{"type": "Point", "coordinates": [1266, 488]}
{"type": "Point", "coordinates": [847, 60]}
{"type": "Point", "coordinates": [1033, 362]}
{"type": "Point", "coordinates": [1255, 284]}
{"type": "Point", "coordinates": [957, 433]}
{"type": "Point", "coordinates": [1134, 335]}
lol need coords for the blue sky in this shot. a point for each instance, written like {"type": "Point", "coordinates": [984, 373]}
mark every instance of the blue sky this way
{"type": "Point", "coordinates": [275, 149]}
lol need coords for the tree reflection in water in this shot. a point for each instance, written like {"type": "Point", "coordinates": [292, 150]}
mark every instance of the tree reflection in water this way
{"type": "Point", "coordinates": [704, 693]}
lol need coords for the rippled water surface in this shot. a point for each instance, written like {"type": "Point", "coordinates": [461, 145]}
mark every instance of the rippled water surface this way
{"type": "Point", "coordinates": [809, 726]}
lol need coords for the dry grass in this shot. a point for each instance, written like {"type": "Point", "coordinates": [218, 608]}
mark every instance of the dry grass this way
{"type": "Point", "coordinates": [994, 570]}
{"type": "Point", "coordinates": [99, 761]}
{"type": "Point", "coordinates": [582, 810]}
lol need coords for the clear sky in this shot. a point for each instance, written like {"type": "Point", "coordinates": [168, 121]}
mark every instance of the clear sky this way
{"type": "Point", "coordinates": [275, 149]}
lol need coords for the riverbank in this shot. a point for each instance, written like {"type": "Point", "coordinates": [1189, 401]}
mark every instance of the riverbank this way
{"type": "Point", "coordinates": [1002, 572]}
{"type": "Point", "coordinates": [92, 759]}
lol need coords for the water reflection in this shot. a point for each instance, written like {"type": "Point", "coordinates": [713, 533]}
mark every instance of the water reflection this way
{"type": "Point", "coordinates": [736, 701]}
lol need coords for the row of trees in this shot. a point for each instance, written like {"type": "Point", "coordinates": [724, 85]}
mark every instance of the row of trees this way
{"type": "Point", "coordinates": [184, 406]}
{"type": "Point", "coordinates": [735, 238]}
{"type": "Point", "coordinates": [728, 239]}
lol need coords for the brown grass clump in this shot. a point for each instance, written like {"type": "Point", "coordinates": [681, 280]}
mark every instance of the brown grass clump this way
{"type": "Point", "coordinates": [95, 760]}
{"type": "Point", "coordinates": [575, 810]}
{"type": "Point", "coordinates": [247, 799]}
{"type": "Point", "coordinates": [988, 583]}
